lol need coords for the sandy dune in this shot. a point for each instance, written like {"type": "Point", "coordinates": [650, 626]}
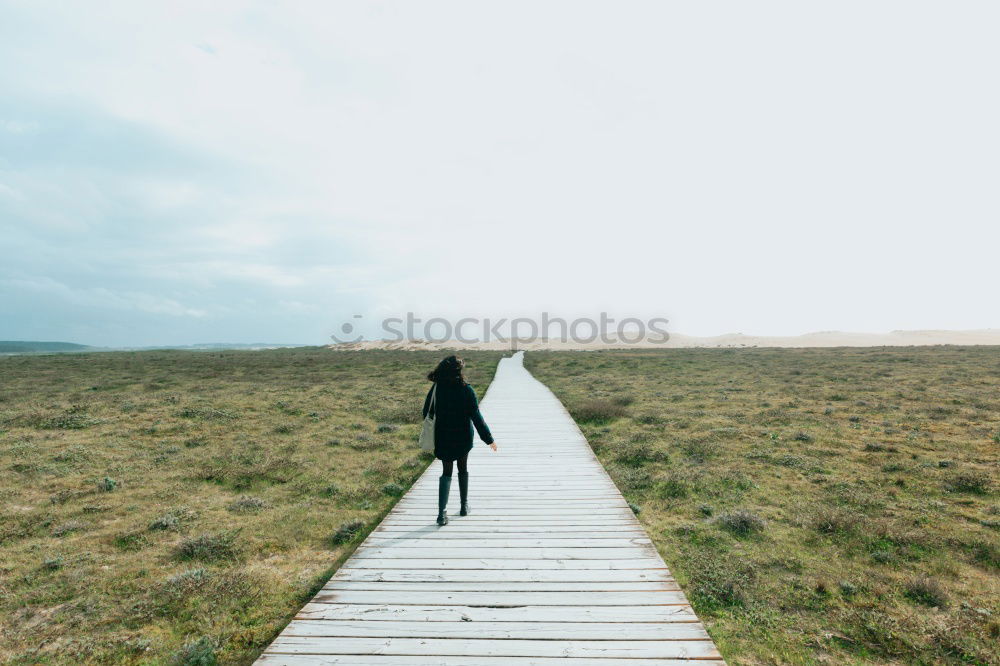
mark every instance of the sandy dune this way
{"type": "Point", "coordinates": [989, 336]}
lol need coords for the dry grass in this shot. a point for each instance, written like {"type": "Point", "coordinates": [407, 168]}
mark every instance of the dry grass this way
{"type": "Point", "coordinates": [818, 506]}
{"type": "Point", "coordinates": [597, 411]}
{"type": "Point", "coordinates": [179, 507]}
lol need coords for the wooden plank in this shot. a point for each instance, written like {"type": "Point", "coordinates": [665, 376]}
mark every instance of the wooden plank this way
{"type": "Point", "coordinates": [487, 563]}
{"type": "Point", "coordinates": [496, 575]}
{"type": "Point", "coordinates": [621, 518]}
{"type": "Point", "coordinates": [494, 470]}
{"type": "Point", "coordinates": [500, 481]}
{"type": "Point", "coordinates": [445, 598]}
{"type": "Point", "coordinates": [511, 536]}
{"type": "Point", "coordinates": [480, 614]}
{"type": "Point", "coordinates": [269, 659]}
{"type": "Point", "coordinates": [496, 533]}
{"type": "Point", "coordinates": [497, 648]}
{"type": "Point", "coordinates": [527, 492]}
{"type": "Point", "coordinates": [413, 552]}
{"type": "Point", "coordinates": [525, 497]}
{"type": "Point", "coordinates": [596, 631]}
{"type": "Point", "coordinates": [456, 541]}
{"type": "Point", "coordinates": [527, 512]}
{"type": "Point", "coordinates": [597, 522]}
{"type": "Point", "coordinates": [498, 476]}
{"type": "Point", "coordinates": [458, 528]}
{"type": "Point", "coordinates": [503, 506]}
{"type": "Point", "coordinates": [501, 586]}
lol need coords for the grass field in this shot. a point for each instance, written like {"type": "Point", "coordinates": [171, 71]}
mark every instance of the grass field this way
{"type": "Point", "coordinates": [179, 507]}
{"type": "Point", "coordinates": [817, 505]}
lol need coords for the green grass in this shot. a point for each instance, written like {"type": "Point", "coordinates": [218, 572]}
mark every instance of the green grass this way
{"type": "Point", "coordinates": [180, 507]}
{"type": "Point", "coordinates": [817, 505]}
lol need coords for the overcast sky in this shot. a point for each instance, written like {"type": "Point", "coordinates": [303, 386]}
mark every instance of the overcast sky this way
{"type": "Point", "coordinates": [175, 172]}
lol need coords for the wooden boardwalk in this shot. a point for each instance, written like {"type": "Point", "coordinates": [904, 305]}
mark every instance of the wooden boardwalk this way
{"type": "Point", "coordinates": [550, 567]}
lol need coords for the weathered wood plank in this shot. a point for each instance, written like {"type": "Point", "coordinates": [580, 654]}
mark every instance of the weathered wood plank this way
{"type": "Point", "coordinates": [595, 631]}
{"type": "Point", "coordinates": [501, 586]}
{"type": "Point", "coordinates": [479, 519]}
{"type": "Point", "coordinates": [532, 531]}
{"type": "Point", "coordinates": [445, 598]}
{"type": "Point", "coordinates": [568, 498]}
{"type": "Point", "coordinates": [486, 533]}
{"type": "Point", "coordinates": [487, 563]}
{"type": "Point", "coordinates": [427, 613]}
{"type": "Point", "coordinates": [529, 501]}
{"type": "Point", "coordinates": [434, 552]}
{"type": "Point", "coordinates": [493, 542]}
{"type": "Point", "coordinates": [665, 649]}
{"type": "Point", "coordinates": [269, 659]}
{"type": "Point", "coordinates": [498, 575]}
{"type": "Point", "coordinates": [526, 512]}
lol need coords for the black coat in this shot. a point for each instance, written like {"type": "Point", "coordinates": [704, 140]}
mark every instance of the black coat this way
{"type": "Point", "coordinates": [456, 411]}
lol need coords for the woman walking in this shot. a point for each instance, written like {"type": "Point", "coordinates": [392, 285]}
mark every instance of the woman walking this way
{"type": "Point", "coordinates": [455, 410]}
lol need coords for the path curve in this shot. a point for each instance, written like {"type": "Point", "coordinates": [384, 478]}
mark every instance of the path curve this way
{"type": "Point", "coordinates": [551, 567]}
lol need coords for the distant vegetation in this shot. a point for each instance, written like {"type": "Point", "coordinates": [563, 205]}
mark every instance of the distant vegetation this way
{"type": "Point", "coordinates": [180, 507]}
{"type": "Point", "coordinates": [31, 346]}
{"type": "Point", "coordinates": [34, 347]}
{"type": "Point", "coordinates": [817, 505]}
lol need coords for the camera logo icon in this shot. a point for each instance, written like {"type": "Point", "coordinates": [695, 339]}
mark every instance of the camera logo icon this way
{"type": "Point", "coordinates": [347, 333]}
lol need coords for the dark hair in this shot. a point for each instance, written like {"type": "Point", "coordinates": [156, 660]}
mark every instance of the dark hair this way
{"type": "Point", "coordinates": [448, 371]}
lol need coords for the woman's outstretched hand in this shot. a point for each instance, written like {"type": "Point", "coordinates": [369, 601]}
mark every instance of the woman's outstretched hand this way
{"type": "Point", "coordinates": [493, 446]}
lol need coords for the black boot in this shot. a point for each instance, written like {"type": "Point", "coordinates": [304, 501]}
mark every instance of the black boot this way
{"type": "Point", "coordinates": [444, 487]}
{"type": "Point", "coordinates": [463, 490]}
